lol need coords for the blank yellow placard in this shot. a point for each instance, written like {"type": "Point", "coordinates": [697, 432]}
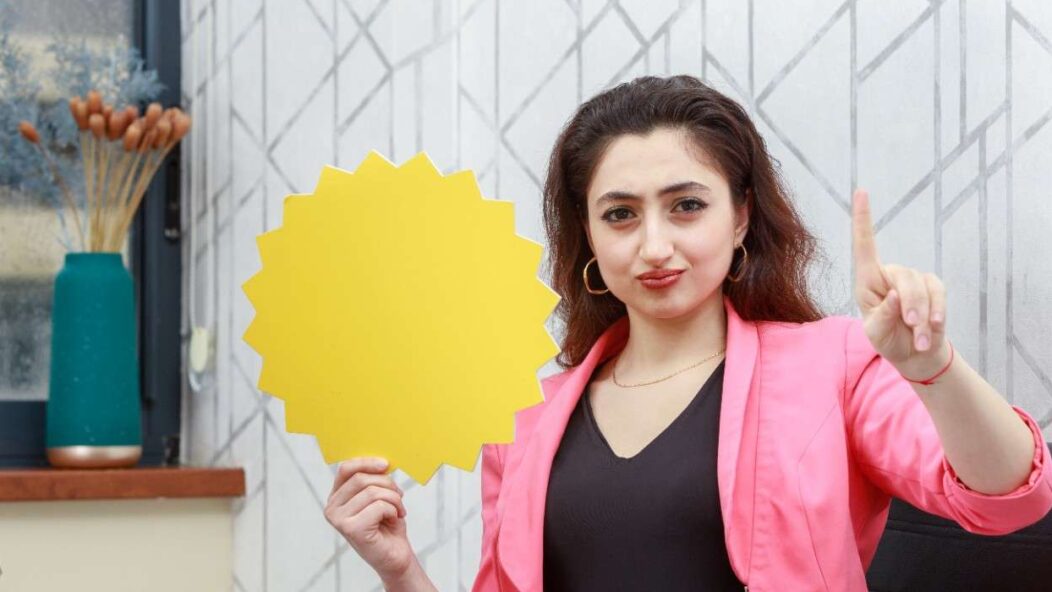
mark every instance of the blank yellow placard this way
{"type": "Point", "coordinates": [399, 315]}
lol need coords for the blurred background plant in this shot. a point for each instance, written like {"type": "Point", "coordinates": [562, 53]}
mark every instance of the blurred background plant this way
{"type": "Point", "coordinates": [117, 71]}
{"type": "Point", "coordinates": [50, 50]}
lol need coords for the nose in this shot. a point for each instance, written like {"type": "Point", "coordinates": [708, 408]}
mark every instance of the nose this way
{"type": "Point", "coordinates": [656, 247]}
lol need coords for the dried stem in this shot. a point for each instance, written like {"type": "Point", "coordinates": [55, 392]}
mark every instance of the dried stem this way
{"type": "Point", "coordinates": [86, 147]}
{"type": "Point", "coordinates": [67, 195]}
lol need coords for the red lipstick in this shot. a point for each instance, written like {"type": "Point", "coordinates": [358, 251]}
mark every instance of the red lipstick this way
{"type": "Point", "coordinates": [660, 278]}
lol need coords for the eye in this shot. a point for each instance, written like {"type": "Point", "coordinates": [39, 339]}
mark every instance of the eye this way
{"type": "Point", "coordinates": [694, 203]}
{"type": "Point", "coordinates": [616, 214]}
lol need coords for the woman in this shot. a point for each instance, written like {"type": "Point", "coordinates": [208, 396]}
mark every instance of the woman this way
{"type": "Point", "coordinates": [711, 428]}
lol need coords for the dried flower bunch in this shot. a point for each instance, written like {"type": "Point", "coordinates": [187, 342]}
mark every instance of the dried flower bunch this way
{"type": "Point", "coordinates": [121, 152]}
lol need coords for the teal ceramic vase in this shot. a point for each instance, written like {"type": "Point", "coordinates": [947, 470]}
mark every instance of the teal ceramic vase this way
{"type": "Point", "coordinates": [93, 410]}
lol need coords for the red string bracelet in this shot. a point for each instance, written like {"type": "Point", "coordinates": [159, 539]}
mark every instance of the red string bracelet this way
{"type": "Point", "coordinates": [931, 381]}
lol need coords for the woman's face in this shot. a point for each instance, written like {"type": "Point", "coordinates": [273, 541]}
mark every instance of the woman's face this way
{"type": "Point", "coordinates": [656, 204]}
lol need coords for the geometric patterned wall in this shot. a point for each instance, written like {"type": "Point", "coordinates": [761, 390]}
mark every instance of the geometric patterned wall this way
{"type": "Point", "coordinates": [938, 108]}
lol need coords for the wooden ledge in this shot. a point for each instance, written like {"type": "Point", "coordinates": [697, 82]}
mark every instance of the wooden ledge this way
{"type": "Point", "coordinates": [134, 483]}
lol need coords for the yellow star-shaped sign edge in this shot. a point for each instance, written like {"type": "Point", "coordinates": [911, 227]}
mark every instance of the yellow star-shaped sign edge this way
{"type": "Point", "coordinates": [399, 315]}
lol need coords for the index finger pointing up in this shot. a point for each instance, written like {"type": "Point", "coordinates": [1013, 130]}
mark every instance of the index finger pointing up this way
{"type": "Point", "coordinates": [865, 245]}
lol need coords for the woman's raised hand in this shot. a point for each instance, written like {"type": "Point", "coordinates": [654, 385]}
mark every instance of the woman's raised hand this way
{"type": "Point", "coordinates": [365, 506]}
{"type": "Point", "coordinates": [903, 309]}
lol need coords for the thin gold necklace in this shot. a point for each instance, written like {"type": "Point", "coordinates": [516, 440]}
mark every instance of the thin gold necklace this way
{"type": "Point", "coordinates": [694, 365]}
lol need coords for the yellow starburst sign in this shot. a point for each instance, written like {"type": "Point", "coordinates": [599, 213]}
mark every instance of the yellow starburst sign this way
{"type": "Point", "coordinates": [399, 315]}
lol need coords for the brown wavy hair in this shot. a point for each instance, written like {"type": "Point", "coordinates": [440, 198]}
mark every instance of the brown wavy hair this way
{"type": "Point", "coordinates": [774, 284]}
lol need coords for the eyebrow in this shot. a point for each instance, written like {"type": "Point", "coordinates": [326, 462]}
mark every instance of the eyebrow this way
{"type": "Point", "coordinates": [674, 188]}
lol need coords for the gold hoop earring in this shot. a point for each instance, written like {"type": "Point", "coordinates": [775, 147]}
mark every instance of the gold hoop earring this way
{"type": "Point", "coordinates": [741, 266]}
{"type": "Point", "coordinates": [585, 275]}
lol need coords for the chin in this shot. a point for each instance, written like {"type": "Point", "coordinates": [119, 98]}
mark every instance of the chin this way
{"type": "Point", "coordinates": [671, 308]}
{"type": "Point", "coordinates": [663, 310]}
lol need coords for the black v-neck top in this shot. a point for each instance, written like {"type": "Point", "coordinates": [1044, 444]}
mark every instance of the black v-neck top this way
{"type": "Point", "coordinates": [648, 522]}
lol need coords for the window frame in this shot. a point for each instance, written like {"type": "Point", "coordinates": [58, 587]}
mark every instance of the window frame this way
{"type": "Point", "coordinates": [155, 262]}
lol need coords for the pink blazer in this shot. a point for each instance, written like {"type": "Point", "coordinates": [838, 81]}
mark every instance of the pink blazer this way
{"type": "Point", "coordinates": [816, 432]}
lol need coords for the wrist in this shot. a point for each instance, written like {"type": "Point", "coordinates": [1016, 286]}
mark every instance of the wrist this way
{"type": "Point", "coordinates": [922, 366]}
{"type": "Point", "coordinates": [411, 579]}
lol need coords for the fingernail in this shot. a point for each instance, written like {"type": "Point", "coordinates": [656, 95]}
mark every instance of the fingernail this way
{"type": "Point", "coordinates": [380, 463]}
{"type": "Point", "coordinates": [936, 317]}
{"type": "Point", "coordinates": [911, 316]}
{"type": "Point", "coordinates": [922, 343]}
